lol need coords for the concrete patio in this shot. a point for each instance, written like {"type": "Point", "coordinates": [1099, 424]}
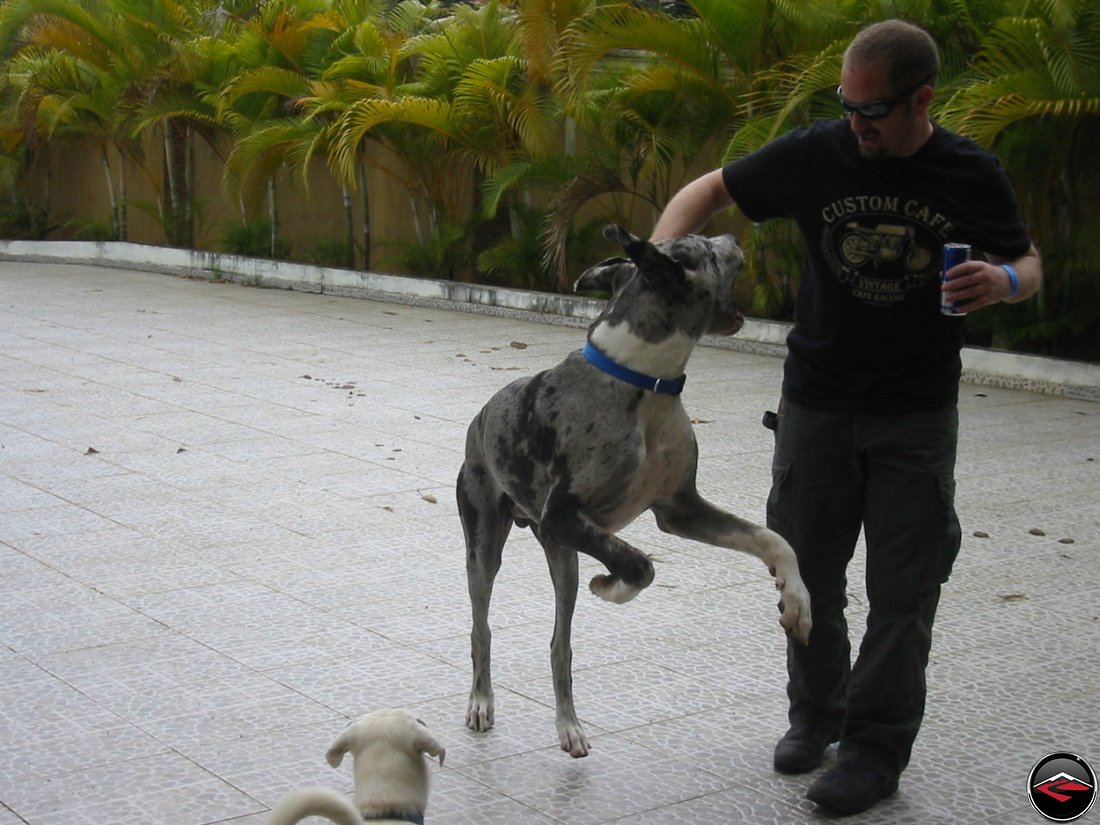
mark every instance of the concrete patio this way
{"type": "Point", "coordinates": [227, 526]}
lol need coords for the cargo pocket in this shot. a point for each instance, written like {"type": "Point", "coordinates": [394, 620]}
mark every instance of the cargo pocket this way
{"type": "Point", "coordinates": [779, 498]}
{"type": "Point", "coordinates": [952, 528]}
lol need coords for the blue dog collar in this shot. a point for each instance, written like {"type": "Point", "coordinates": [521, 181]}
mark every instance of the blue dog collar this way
{"type": "Point", "coordinates": [668, 386]}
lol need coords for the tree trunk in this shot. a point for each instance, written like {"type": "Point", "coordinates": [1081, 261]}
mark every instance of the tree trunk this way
{"type": "Point", "coordinates": [123, 207]}
{"type": "Point", "coordinates": [349, 229]}
{"type": "Point", "coordinates": [416, 219]}
{"type": "Point", "coordinates": [171, 219]}
{"type": "Point", "coordinates": [366, 217]}
{"type": "Point", "coordinates": [177, 168]}
{"type": "Point", "coordinates": [273, 216]}
{"type": "Point", "coordinates": [113, 203]}
{"type": "Point", "coordinates": [189, 183]}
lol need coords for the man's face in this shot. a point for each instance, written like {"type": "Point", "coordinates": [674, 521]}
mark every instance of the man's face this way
{"type": "Point", "coordinates": [900, 132]}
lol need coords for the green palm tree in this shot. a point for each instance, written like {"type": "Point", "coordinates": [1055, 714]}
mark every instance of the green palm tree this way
{"type": "Point", "coordinates": [652, 90]}
{"type": "Point", "coordinates": [73, 73]}
{"type": "Point", "coordinates": [184, 53]}
{"type": "Point", "coordinates": [470, 110]}
{"type": "Point", "coordinates": [273, 50]}
{"type": "Point", "coordinates": [94, 68]}
{"type": "Point", "coordinates": [1032, 94]}
{"type": "Point", "coordinates": [305, 66]}
{"type": "Point", "coordinates": [20, 148]}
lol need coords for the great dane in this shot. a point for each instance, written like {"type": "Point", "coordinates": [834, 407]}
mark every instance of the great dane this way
{"type": "Point", "coordinates": [580, 450]}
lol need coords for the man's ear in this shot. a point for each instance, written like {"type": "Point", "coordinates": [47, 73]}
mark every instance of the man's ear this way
{"type": "Point", "coordinates": [925, 95]}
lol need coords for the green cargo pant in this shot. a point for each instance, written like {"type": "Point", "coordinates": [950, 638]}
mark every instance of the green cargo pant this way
{"type": "Point", "coordinates": [893, 476]}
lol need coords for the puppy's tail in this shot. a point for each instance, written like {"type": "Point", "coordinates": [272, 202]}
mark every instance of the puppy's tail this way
{"type": "Point", "coordinates": [326, 802]}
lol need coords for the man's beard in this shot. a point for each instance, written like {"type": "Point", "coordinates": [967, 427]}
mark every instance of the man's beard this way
{"type": "Point", "coordinates": [875, 150]}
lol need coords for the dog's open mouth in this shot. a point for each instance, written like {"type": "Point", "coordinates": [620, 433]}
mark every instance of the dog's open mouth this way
{"type": "Point", "coordinates": [732, 326]}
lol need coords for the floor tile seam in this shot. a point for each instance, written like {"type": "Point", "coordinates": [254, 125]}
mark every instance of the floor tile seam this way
{"type": "Point", "coordinates": [424, 483]}
{"type": "Point", "coordinates": [197, 782]}
{"type": "Point", "coordinates": [62, 501]}
{"type": "Point", "coordinates": [64, 407]}
{"type": "Point", "coordinates": [470, 769]}
{"type": "Point", "coordinates": [1053, 603]}
{"type": "Point", "coordinates": [261, 673]}
{"type": "Point", "coordinates": [1012, 531]}
{"type": "Point", "coordinates": [148, 724]}
{"type": "Point", "coordinates": [637, 734]}
{"type": "Point", "coordinates": [725, 784]}
{"type": "Point", "coordinates": [991, 587]}
{"type": "Point", "coordinates": [791, 808]}
{"type": "Point", "coordinates": [233, 577]}
{"type": "Point", "coordinates": [742, 690]}
{"type": "Point", "coordinates": [965, 684]}
{"type": "Point", "coordinates": [83, 585]}
{"type": "Point", "coordinates": [88, 505]}
{"type": "Point", "coordinates": [95, 351]}
{"type": "Point", "coordinates": [499, 794]}
{"type": "Point", "coordinates": [251, 399]}
{"type": "Point", "coordinates": [150, 395]}
{"type": "Point", "coordinates": [97, 331]}
{"type": "Point", "coordinates": [121, 719]}
{"type": "Point", "coordinates": [418, 411]}
{"type": "Point", "coordinates": [327, 451]}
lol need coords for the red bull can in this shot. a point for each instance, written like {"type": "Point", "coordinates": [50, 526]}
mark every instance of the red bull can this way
{"type": "Point", "coordinates": [953, 254]}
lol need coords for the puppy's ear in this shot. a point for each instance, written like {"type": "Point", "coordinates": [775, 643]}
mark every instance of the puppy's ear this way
{"type": "Point", "coordinates": [335, 754]}
{"type": "Point", "coordinates": [658, 269]}
{"type": "Point", "coordinates": [425, 742]}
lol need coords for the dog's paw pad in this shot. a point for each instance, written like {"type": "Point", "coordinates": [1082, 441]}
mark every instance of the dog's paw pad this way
{"type": "Point", "coordinates": [612, 589]}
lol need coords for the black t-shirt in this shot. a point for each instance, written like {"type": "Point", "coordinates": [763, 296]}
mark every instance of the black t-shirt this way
{"type": "Point", "coordinates": [868, 333]}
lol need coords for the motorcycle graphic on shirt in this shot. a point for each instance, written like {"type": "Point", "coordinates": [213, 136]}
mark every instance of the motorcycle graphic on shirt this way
{"type": "Point", "coordinates": [882, 254]}
{"type": "Point", "coordinates": [885, 243]}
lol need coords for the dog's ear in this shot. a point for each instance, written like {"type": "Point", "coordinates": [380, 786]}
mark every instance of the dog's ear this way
{"type": "Point", "coordinates": [606, 276]}
{"type": "Point", "coordinates": [658, 269]}
{"type": "Point", "coordinates": [425, 742]}
{"type": "Point", "coordinates": [335, 754]}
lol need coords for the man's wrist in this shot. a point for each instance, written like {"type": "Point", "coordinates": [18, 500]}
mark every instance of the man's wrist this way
{"type": "Point", "coordinates": [1013, 279]}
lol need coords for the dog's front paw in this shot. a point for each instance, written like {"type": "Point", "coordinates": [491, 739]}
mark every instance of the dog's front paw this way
{"type": "Point", "coordinates": [613, 589]}
{"type": "Point", "coordinates": [794, 609]}
{"type": "Point", "coordinates": [573, 740]}
{"type": "Point", "coordinates": [479, 713]}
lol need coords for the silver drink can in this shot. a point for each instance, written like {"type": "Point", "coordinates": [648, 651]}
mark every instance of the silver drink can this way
{"type": "Point", "coordinates": [953, 254]}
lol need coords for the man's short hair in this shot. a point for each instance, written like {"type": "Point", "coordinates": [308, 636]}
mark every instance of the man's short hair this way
{"type": "Point", "coordinates": [906, 52]}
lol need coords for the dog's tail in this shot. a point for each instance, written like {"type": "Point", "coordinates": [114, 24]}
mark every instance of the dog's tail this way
{"type": "Point", "coordinates": [326, 802]}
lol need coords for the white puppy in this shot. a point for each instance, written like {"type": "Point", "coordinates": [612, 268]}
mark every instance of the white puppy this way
{"type": "Point", "coordinates": [391, 775]}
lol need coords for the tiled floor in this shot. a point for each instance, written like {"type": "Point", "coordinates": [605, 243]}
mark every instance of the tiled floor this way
{"type": "Point", "coordinates": [227, 526]}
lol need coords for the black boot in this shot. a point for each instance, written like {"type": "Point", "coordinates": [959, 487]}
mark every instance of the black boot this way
{"type": "Point", "coordinates": [801, 749]}
{"type": "Point", "coordinates": [851, 787]}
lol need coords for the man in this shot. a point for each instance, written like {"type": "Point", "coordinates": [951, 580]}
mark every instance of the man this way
{"type": "Point", "coordinates": [867, 426]}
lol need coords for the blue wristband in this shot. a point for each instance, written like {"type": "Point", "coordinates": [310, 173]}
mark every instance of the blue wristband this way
{"type": "Point", "coordinates": [1013, 279]}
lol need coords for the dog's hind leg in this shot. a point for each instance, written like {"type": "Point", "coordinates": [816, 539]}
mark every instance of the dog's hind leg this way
{"type": "Point", "coordinates": [689, 515]}
{"type": "Point", "coordinates": [486, 521]}
{"type": "Point", "coordinates": [563, 572]}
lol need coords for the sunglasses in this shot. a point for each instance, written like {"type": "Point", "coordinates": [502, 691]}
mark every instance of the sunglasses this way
{"type": "Point", "coordinates": [876, 109]}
